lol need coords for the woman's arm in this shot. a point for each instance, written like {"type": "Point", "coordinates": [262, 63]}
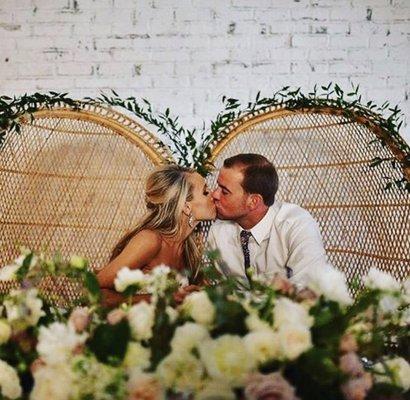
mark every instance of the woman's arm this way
{"type": "Point", "coordinates": [111, 298]}
{"type": "Point", "coordinates": [141, 249]}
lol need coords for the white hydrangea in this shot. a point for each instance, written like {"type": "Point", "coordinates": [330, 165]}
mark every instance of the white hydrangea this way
{"type": "Point", "coordinates": [376, 279]}
{"type": "Point", "coordinates": [141, 318]}
{"type": "Point", "coordinates": [263, 345]}
{"type": "Point", "coordinates": [181, 371]}
{"type": "Point", "coordinates": [127, 277]}
{"type": "Point", "coordinates": [400, 370]}
{"type": "Point", "coordinates": [23, 308]}
{"type": "Point", "coordinates": [226, 359]}
{"type": "Point", "coordinates": [5, 331]}
{"type": "Point", "coordinates": [199, 307]}
{"type": "Point", "coordinates": [57, 341]}
{"type": "Point", "coordinates": [288, 312]}
{"type": "Point", "coordinates": [53, 382]}
{"type": "Point", "coordinates": [293, 341]}
{"type": "Point", "coordinates": [188, 336]}
{"type": "Point", "coordinates": [137, 356]}
{"type": "Point", "coordinates": [159, 279]}
{"type": "Point", "coordinates": [9, 381]}
{"type": "Point", "coordinates": [329, 282]}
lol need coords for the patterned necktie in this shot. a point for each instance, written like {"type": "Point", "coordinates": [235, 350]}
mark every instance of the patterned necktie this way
{"type": "Point", "coordinates": [245, 235]}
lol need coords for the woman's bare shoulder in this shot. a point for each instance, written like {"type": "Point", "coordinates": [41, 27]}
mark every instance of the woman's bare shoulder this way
{"type": "Point", "coordinates": [148, 239]}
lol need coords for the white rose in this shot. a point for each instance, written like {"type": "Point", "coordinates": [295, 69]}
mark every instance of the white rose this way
{"type": "Point", "coordinates": [127, 277]}
{"type": "Point", "coordinates": [9, 381]}
{"type": "Point", "coordinates": [181, 371]}
{"type": "Point", "coordinates": [399, 370]}
{"type": "Point", "coordinates": [263, 345]}
{"type": "Point", "coordinates": [57, 342]}
{"type": "Point", "coordinates": [215, 390]}
{"type": "Point", "coordinates": [54, 382]}
{"type": "Point", "coordinates": [376, 279]}
{"type": "Point", "coordinates": [288, 312]}
{"type": "Point", "coordinates": [293, 341]}
{"type": "Point", "coordinates": [198, 306]}
{"type": "Point", "coordinates": [8, 272]}
{"type": "Point", "coordinates": [5, 331]}
{"type": "Point", "coordinates": [255, 324]}
{"type": "Point", "coordinates": [141, 318]}
{"type": "Point", "coordinates": [188, 336]}
{"type": "Point", "coordinates": [226, 359]}
{"type": "Point", "coordinates": [137, 356]}
{"type": "Point", "coordinates": [329, 282]}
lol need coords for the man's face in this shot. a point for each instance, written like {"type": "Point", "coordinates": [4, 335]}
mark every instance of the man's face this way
{"type": "Point", "coordinates": [229, 196]}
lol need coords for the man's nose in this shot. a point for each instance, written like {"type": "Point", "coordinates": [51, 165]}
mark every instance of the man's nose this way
{"type": "Point", "coordinates": [215, 194]}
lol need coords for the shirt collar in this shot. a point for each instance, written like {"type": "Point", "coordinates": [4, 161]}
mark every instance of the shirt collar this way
{"type": "Point", "coordinates": [261, 230]}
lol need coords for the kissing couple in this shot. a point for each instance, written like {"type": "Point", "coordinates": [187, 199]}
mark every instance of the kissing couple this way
{"type": "Point", "coordinates": [255, 233]}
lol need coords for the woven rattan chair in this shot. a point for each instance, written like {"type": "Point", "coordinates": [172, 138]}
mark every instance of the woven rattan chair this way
{"type": "Point", "coordinates": [73, 181]}
{"type": "Point", "coordinates": [323, 160]}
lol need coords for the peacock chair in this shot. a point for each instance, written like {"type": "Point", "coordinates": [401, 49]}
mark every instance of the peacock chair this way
{"type": "Point", "coordinates": [323, 159]}
{"type": "Point", "coordinates": [73, 181]}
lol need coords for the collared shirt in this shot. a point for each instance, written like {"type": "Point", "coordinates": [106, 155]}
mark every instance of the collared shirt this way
{"type": "Point", "coordinates": [286, 241]}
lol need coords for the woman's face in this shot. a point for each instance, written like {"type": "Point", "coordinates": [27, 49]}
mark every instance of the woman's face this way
{"type": "Point", "coordinates": [202, 204]}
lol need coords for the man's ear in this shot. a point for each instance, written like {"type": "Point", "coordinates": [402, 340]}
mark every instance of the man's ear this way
{"type": "Point", "coordinates": [254, 201]}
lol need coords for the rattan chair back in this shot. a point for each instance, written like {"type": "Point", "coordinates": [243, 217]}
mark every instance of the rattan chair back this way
{"type": "Point", "coordinates": [323, 161]}
{"type": "Point", "coordinates": [73, 181]}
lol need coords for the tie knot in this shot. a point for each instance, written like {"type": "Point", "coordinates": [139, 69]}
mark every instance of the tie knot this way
{"type": "Point", "coordinates": [245, 235]}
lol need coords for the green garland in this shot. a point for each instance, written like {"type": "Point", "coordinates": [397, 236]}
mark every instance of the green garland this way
{"type": "Point", "coordinates": [193, 147]}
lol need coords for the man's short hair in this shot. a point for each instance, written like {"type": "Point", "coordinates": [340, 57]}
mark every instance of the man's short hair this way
{"type": "Point", "coordinates": [259, 175]}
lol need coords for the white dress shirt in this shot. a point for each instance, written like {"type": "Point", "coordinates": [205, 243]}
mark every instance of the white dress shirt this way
{"type": "Point", "coordinates": [286, 241]}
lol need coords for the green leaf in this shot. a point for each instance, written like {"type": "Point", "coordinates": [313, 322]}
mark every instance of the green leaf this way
{"type": "Point", "coordinates": [92, 286]}
{"type": "Point", "coordinates": [109, 342]}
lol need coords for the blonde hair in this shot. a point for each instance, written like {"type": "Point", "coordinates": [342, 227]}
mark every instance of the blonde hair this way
{"type": "Point", "coordinates": [167, 190]}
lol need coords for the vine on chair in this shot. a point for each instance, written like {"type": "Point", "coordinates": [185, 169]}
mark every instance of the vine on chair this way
{"type": "Point", "coordinates": [193, 147]}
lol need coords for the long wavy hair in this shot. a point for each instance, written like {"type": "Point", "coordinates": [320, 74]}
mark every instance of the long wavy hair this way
{"type": "Point", "coordinates": [167, 190]}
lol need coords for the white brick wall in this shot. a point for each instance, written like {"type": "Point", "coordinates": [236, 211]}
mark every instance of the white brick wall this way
{"type": "Point", "coordinates": [187, 53]}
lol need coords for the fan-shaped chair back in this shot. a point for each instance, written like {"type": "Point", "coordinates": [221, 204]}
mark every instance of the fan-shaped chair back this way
{"type": "Point", "coordinates": [323, 159]}
{"type": "Point", "coordinates": [73, 181]}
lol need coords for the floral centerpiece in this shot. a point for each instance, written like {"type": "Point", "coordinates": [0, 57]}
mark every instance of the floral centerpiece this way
{"type": "Point", "coordinates": [278, 341]}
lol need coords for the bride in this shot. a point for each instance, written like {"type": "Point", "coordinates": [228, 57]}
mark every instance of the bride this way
{"type": "Point", "coordinates": [177, 199]}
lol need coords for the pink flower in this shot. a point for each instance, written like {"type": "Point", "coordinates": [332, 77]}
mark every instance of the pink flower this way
{"type": "Point", "coordinates": [350, 364]}
{"type": "Point", "coordinates": [115, 316]}
{"type": "Point", "coordinates": [36, 365]}
{"type": "Point", "coordinates": [80, 318]}
{"type": "Point", "coordinates": [283, 285]}
{"type": "Point", "coordinates": [269, 387]}
{"type": "Point", "coordinates": [357, 388]}
{"type": "Point", "coordinates": [143, 386]}
{"type": "Point", "coordinates": [306, 294]}
{"type": "Point", "coordinates": [348, 343]}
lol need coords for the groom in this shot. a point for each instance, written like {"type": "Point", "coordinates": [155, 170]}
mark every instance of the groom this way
{"type": "Point", "coordinates": [256, 234]}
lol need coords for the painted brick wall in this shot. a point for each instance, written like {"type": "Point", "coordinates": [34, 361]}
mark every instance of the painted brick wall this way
{"type": "Point", "coordinates": [187, 53]}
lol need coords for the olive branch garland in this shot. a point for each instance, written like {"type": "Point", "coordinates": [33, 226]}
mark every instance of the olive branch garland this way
{"type": "Point", "coordinates": [193, 148]}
